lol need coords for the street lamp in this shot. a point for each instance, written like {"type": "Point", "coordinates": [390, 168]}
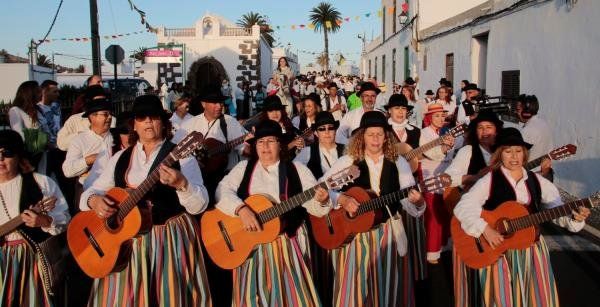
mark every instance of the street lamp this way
{"type": "Point", "coordinates": [403, 18]}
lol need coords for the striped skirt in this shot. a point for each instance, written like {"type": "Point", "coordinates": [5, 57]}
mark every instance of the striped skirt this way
{"type": "Point", "coordinates": [166, 269]}
{"type": "Point", "coordinates": [521, 278]}
{"type": "Point", "coordinates": [369, 272]}
{"type": "Point", "coordinates": [276, 274]}
{"type": "Point", "coordinates": [20, 279]}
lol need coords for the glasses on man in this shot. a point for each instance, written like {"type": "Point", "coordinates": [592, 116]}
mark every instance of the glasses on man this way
{"type": "Point", "coordinates": [6, 153]}
{"type": "Point", "coordinates": [326, 128]}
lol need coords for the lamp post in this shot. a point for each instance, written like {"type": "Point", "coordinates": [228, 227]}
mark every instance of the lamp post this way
{"type": "Point", "coordinates": [403, 18]}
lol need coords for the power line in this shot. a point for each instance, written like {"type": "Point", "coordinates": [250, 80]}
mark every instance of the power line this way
{"type": "Point", "coordinates": [51, 25]}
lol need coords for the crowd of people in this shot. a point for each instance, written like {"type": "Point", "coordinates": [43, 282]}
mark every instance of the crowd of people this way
{"type": "Point", "coordinates": [281, 139]}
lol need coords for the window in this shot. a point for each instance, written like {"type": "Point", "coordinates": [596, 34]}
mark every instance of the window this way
{"type": "Point", "coordinates": [393, 65]}
{"type": "Point", "coordinates": [370, 68]}
{"type": "Point", "coordinates": [406, 64]}
{"type": "Point", "coordinates": [425, 59]}
{"type": "Point", "coordinates": [394, 17]}
{"type": "Point", "coordinates": [383, 19]}
{"type": "Point", "coordinates": [383, 68]}
{"type": "Point", "coordinates": [511, 83]}
{"type": "Point", "coordinates": [450, 66]}
{"type": "Point", "coordinates": [375, 68]}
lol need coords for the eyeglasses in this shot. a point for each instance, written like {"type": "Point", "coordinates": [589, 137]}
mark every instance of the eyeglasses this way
{"type": "Point", "coordinates": [326, 128]}
{"type": "Point", "coordinates": [141, 118]}
{"type": "Point", "coordinates": [265, 142]}
{"type": "Point", "coordinates": [7, 153]}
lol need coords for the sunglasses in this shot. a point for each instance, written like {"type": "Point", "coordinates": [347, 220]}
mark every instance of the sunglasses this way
{"type": "Point", "coordinates": [326, 128]}
{"type": "Point", "coordinates": [7, 153]}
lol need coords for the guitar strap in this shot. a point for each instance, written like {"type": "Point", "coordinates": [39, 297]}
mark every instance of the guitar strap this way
{"type": "Point", "coordinates": [223, 125]}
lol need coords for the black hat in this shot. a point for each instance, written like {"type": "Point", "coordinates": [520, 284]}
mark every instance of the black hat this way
{"type": "Point", "coordinates": [148, 105]}
{"type": "Point", "coordinates": [122, 126]}
{"type": "Point", "coordinates": [471, 86]}
{"type": "Point", "coordinates": [429, 92]}
{"type": "Point", "coordinates": [94, 91]}
{"type": "Point", "coordinates": [314, 97]}
{"type": "Point", "coordinates": [324, 118]}
{"type": "Point", "coordinates": [368, 86]}
{"type": "Point", "coordinates": [212, 94]}
{"type": "Point", "coordinates": [409, 81]}
{"type": "Point", "coordinates": [11, 140]}
{"type": "Point", "coordinates": [398, 100]}
{"type": "Point", "coordinates": [332, 84]}
{"type": "Point", "coordinates": [510, 137]}
{"type": "Point", "coordinates": [95, 105]}
{"type": "Point", "coordinates": [486, 116]}
{"type": "Point", "coordinates": [272, 103]}
{"type": "Point", "coordinates": [266, 128]}
{"type": "Point", "coordinates": [373, 119]}
{"type": "Point", "coordinates": [443, 80]}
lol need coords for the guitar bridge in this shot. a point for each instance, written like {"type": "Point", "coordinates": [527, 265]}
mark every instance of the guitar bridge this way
{"type": "Point", "coordinates": [93, 242]}
{"type": "Point", "coordinates": [225, 236]}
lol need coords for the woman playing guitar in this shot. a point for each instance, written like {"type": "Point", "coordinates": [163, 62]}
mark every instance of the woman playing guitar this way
{"type": "Point", "coordinates": [525, 275]}
{"type": "Point", "coordinates": [287, 281]}
{"type": "Point", "coordinates": [173, 235]}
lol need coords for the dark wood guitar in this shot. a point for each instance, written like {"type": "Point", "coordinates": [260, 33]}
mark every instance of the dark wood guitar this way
{"type": "Point", "coordinates": [52, 253]}
{"type": "Point", "coordinates": [413, 156]}
{"type": "Point", "coordinates": [452, 195]}
{"type": "Point", "coordinates": [338, 227]}
{"type": "Point", "coordinates": [512, 220]}
{"type": "Point", "coordinates": [227, 242]}
{"type": "Point", "coordinates": [101, 246]}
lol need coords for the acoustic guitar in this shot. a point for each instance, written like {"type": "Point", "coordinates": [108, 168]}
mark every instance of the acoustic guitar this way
{"type": "Point", "coordinates": [102, 245]}
{"type": "Point", "coordinates": [227, 242]}
{"type": "Point", "coordinates": [338, 227]}
{"type": "Point", "coordinates": [512, 220]}
{"type": "Point", "coordinates": [452, 195]}
{"type": "Point", "coordinates": [52, 253]}
{"type": "Point", "coordinates": [412, 156]}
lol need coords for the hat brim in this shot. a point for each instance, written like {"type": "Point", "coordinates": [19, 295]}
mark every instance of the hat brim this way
{"type": "Point", "coordinates": [514, 143]}
{"type": "Point", "coordinates": [376, 90]}
{"type": "Point", "coordinates": [438, 111]}
{"type": "Point", "coordinates": [96, 109]}
{"type": "Point", "coordinates": [408, 107]}
{"type": "Point", "coordinates": [335, 123]}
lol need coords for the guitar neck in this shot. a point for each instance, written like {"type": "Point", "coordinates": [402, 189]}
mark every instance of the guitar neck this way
{"type": "Point", "coordinates": [229, 145]}
{"type": "Point", "coordinates": [11, 225]}
{"type": "Point", "coordinates": [289, 204]}
{"type": "Point", "coordinates": [136, 195]}
{"type": "Point", "coordinates": [547, 215]}
{"type": "Point", "coordinates": [384, 200]}
{"type": "Point", "coordinates": [421, 149]}
{"type": "Point", "coordinates": [536, 162]}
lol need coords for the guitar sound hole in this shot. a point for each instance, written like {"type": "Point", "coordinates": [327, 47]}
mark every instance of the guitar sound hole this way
{"type": "Point", "coordinates": [113, 222]}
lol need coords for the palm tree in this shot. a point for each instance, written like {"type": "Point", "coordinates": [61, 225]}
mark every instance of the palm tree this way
{"type": "Point", "coordinates": [138, 54]}
{"type": "Point", "coordinates": [43, 60]}
{"type": "Point", "coordinates": [252, 18]}
{"type": "Point", "coordinates": [321, 16]}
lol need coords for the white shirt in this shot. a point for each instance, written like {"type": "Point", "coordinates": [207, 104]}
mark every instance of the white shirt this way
{"type": "Point", "coordinates": [74, 125]}
{"type": "Point", "coordinates": [434, 161]}
{"type": "Point", "coordinates": [194, 199]}
{"type": "Point", "coordinates": [20, 120]}
{"type": "Point", "coordinates": [11, 192]}
{"type": "Point", "coordinates": [537, 132]}
{"type": "Point", "coordinates": [449, 107]}
{"type": "Point", "coordinates": [327, 156]}
{"type": "Point", "coordinates": [460, 164]}
{"type": "Point", "coordinates": [337, 115]}
{"type": "Point", "coordinates": [213, 130]}
{"type": "Point", "coordinates": [461, 116]}
{"type": "Point", "coordinates": [381, 100]}
{"type": "Point", "coordinates": [177, 121]}
{"type": "Point", "coordinates": [349, 122]}
{"type": "Point", "coordinates": [264, 181]}
{"type": "Point", "coordinates": [83, 145]}
{"type": "Point", "coordinates": [468, 210]}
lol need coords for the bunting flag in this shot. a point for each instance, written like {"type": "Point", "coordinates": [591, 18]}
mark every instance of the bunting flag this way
{"type": "Point", "coordinates": [405, 7]}
{"type": "Point", "coordinates": [328, 24]}
{"type": "Point", "coordinates": [87, 39]}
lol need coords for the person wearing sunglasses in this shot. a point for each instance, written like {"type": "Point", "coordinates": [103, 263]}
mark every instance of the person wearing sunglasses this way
{"type": "Point", "coordinates": [21, 273]}
{"type": "Point", "coordinates": [170, 204]}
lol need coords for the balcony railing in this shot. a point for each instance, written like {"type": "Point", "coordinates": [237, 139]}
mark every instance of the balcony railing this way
{"type": "Point", "coordinates": [237, 32]}
{"type": "Point", "coordinates": [180, 32]}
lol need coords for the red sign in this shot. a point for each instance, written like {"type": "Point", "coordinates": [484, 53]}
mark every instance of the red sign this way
{"type": "Point", "coordinates": [162, 53]}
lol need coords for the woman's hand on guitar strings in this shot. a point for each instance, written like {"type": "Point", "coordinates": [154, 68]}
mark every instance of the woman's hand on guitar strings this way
{"type": "Point", "coordinates": [493, 237]}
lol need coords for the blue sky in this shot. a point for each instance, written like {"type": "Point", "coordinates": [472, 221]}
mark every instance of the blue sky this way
{"type": "Point", "coordinates": [21, 20]}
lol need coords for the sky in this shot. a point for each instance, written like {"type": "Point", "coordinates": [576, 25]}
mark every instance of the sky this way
{"type": "Point", "coordinates": [22, 20]}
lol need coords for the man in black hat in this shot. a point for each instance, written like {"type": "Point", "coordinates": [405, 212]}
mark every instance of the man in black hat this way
{"type": "Point", "coordinates": [472, 161]}
{"type": "Point", "coordinates": [466, 112]}
{"type": "Point", "coordinates": [368, 95]}
{"type": "Point", "coordinates": [335, 103]}
{"type": "Point", "coordinates": [319, 156]}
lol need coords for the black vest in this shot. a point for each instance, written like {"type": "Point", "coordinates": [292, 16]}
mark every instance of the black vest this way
{"type": "Point", "coordinates": [314, 164]}
{"type": "Point", "coordinates": [31, 193]}
{"type": "Point", "coordinates": [388, 183]}
{"type": "Point", "coordinates": [303, 124]}
{"type": "Point", "coordinates": [501, 191]}
{"type": "Point", "coordinates": [477, 162]}
{"type": "Point", "coordinates": [163, 197]}
{"type": "Point", "coordinates": [412, 136]}
{"type": "Point", "coordinates": [289, 185]}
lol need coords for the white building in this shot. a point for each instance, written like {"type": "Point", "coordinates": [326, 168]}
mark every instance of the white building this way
{"type": "Point", "coordinates": [215, 49]}
{"type": "Point", "coordinates": [542, 47]}
{"type": "Point", "coordinates": [291, 57]}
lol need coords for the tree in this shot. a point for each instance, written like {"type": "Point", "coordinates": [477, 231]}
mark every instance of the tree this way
{"type": "Point", "coordinates": [43, 60]}
{"type": "Point", "coordinates": [322, 61]}
{"type": "Point", "coordinates": [252, 18]}
{"type": "Point", "coordinates": [80, 69]}
{"type": "Point", "coordinates": [139, 54]}
{"type": "Point", "coordinates": [325, 18]}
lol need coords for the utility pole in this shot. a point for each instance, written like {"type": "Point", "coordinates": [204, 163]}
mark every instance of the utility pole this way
{"type": "Point", "coordinates": [95, 38]}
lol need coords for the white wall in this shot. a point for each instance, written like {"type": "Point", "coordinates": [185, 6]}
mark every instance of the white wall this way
{"type": "Point", "coordinates": [556, 53]}
{"type": "Point", "coordinates": [266, 65]}
{"type": "Point", "coordinates": [434, 11]}
{"type": "Point", "coordinates": [13, 74]}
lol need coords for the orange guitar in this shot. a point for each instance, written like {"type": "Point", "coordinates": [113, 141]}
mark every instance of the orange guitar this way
{"type": "Point", "coordinates": [512, 220]}
{"type": "Point", "coordinates": [452, 195]}
{"type": "Point", "coordinates": [229, 245]}
{"type": "Point", "coordinates": [101, 246]}
{"type": "Point", "coordinates": [338, 228]}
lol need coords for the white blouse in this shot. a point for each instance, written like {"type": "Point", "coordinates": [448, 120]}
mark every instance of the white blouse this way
{"type": "Point", "coordinates": [460, 164]}
{"type": "Point", "coordinates": [83, 145]}
{"type": "Point", "coordinates": [328, 157]}
{"type": "Point", "coordinates": [435, 160]}
{"type": "Point", "coordinates": [468, 210]}
{"type": "Point", "coordinates": [20, 120]}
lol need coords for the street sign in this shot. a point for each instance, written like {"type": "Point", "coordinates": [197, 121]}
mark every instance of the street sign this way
{"type": "Point", "coordinates": [114, 54]}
